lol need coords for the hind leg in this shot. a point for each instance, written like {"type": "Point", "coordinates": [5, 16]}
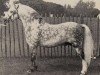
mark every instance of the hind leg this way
{"type": "Point", "coordinates": [84, 64]}
{"type": "Point", "coordinates": [84, 67]}
{"type": "Point", "coordinates": [86, 59]}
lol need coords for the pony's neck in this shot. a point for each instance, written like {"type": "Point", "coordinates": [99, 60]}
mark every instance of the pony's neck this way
{"type": "Point", "coordinates": [27, 23]}
{"type": "Point", "coordinates": [26, 17]}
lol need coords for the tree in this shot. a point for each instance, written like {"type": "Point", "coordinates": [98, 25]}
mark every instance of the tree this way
{"type": "Point", "coordinates": [2, 7]}
{"type": "Point", "coordinates": [44, 7]}
{"type": "Point", "coordinates": [85, 8]}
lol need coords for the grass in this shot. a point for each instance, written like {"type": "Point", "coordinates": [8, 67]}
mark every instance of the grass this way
{"type": "Point", "coordinates": [47, 66]}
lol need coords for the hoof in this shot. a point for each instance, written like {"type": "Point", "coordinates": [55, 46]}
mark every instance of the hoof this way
{"type": "Point", "coordinates": [29, 71]}
{"type": "Point", "coordinates": [35, 68]}
{"type": "Point", "coordinates": [32, 69]}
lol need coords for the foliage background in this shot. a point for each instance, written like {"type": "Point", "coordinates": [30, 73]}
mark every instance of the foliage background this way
{"type": "Point", "coordinates": [85, 9]}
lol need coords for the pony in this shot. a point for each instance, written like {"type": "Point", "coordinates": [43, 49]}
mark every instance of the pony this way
{"type": "Point", "coordinates": [40, 33]}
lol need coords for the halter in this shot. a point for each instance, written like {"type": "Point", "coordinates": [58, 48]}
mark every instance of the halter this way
{"type": "Point", "coordinates": [14, 13]}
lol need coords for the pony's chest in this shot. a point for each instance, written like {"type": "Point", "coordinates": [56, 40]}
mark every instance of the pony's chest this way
{"type": "Point", "coordinates": [31, 35]}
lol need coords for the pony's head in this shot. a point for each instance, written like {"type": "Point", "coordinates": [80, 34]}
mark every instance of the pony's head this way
{"type": "Point", "coordinates": [12, 12]}
{"type": "Point", "coordinates": [17, 10]}
{"type": "Point", "coordinates": [10, 3]}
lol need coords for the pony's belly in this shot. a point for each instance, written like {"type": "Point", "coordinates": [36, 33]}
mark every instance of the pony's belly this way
{"type": "Point", "coordinates": [50, 44]}
{"type": "Point", "coordinates": [55, 42]}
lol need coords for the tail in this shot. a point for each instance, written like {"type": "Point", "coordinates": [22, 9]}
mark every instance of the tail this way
{"type": "Point", "coordinates": [88, 42]}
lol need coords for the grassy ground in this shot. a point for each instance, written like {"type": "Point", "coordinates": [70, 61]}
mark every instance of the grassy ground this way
{"type": "Point", "coordinates": [51, 66]}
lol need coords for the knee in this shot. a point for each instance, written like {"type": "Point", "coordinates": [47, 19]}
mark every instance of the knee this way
{"type": "Point", "coordinates": [33, 56]}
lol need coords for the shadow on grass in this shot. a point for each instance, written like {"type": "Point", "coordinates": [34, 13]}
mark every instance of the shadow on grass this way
{"type": "Point", "coordinates": [51, 66]}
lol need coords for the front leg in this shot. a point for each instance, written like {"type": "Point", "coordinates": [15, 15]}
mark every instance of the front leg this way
{"type": "Point", "coordinates": [33, 61]}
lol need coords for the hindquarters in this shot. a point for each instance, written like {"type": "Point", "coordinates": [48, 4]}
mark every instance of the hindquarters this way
{"type": "Point", "coordinates": [84, 45]}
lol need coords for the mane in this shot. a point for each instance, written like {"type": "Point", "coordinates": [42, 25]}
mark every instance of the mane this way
{"type": "Point", "coordinates": [33, 14]}
{"type": "Point", "coordinates": [26, 9]}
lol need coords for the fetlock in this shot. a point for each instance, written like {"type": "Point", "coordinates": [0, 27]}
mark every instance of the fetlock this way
{"type": "Point", "coordinates": [33, 57]}
{"type": "Point", "coordinates": [33, 68]}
